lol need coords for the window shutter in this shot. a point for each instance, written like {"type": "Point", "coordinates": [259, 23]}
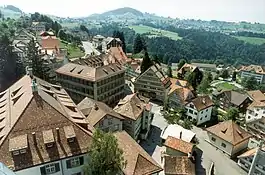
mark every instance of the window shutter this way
{"type": "Point", "coordinates": [57, 167]}
{"type": "Point", "coordinates": [81, 160]}
{"type": "Point", "coordinates": [68, 164]}
{"type": "Point", "coordinates": [43, 170]}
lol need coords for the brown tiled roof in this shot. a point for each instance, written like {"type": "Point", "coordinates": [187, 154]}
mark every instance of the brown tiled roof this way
{"type": "Point", "coordinates": [256, 95]}
{"type": "Point", "coordinates": [118, 54]}
{"type": "Point", "coordinates": [180, 165]}
{"type": "Point", "coordinates": [184, 94]}
{"type": "Point", "coordinates": [229, 131]}
{"type": "Point", "coordinates": [19, 142]}
{"type": "Point", "coordinates": [90, 73]}
{"type": "Point", "coordinates": [234, 97]}
{"type": "Point", "coordinates": [132, 106]}
{"type": "Point", "coordinates": [202, 102]}
{"type": "Point", "coordinates": [40, 113]}
{"type": "Point", "coordinates": [256, 104]}
{"type": "Point", "coordinates": [179, 145]}
{"type": "Point", "coordinates": [250, 152]}
{"type": "Point", "coordinates": [187, 67]}
{"type": "Point", "coordinates": [49, 42]}
{"type": "Point", "coordinates": [95, 111]}
{"type": "Point", "coordinates": [48, 136]}
{"type": "Point", "coordinates": [256, 68]}
{"type": "Point", "coordinates": [139, 162]}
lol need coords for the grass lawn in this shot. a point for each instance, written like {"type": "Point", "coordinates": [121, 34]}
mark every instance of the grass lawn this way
{"type": "Point", "coordinates": [73, 50]}
{"type": "Point", "coordinates": [226, 86]}
{"type": "Point", "coordinates": [155, 32]}
{"type": "Point", "coordinates": [251, 40]}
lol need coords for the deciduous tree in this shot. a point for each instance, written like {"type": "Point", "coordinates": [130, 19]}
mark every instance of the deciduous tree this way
{"type": "Point", "coordinates": [181, 63]}
{"type": "Point", "coordinates": [232, 114]}
{"type": "Point", "coordinates": [138, 45]}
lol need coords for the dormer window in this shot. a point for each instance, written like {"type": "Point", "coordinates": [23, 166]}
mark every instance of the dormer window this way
{"type": "Point", "coordinates": [18, 145]}
{"type": "Point", "coordinates": [69, 133]}
{"type": "Point", "coordinates": [48, 138]}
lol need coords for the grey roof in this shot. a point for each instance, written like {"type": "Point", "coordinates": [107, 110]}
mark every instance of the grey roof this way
{"type": "Point", "coordinates": [203, 65]}
{"type": "Point", "coordinates": [234, 97]}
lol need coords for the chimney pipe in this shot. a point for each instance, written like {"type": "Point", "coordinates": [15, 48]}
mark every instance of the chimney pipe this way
{"type": "Point", "coordinates": [180, 135]}
{"type": "Point", "coordinates": [34, 138]}
{"type": "Point", "coordinates": [58, 134]}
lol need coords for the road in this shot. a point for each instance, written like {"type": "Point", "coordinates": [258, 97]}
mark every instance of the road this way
{"type": "Point", "coordinates": [206, 152]}
{"type": "Point", "coordinates": [89, 49]}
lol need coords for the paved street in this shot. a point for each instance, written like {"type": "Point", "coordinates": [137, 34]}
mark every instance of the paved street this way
{"type": "Point", "coordinates": [89, 49]}
{"type": "Point", "coordinates": [206, 152]}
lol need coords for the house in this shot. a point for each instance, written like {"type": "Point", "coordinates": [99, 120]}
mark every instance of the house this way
{"type": "Point", "coordinates": [111, 42]}
{"type": "Point", "coordinates": [153, 83]}
{"type": "Point", "coordinates": [178, 132]}
{"type": "Point", "coordinates": [105, 83]}
{"type": "Point", "coordinates": [179, 165]}
{"type": "Point", "coordinates": [178, 147]}
{"type": "Point", "coordinates": [5, 170]}
{"type": "Point", "coordinates": [50, 45]}
{"type": "Point", "coordinates": [136, 111]}
{"type": "Point", "coordinates": [139, 162]}
{"type": "Point", "coordinates": [46, 33]}
{"type": "Point", "coordinates": [257, 129]}
{"type": "Point", "coordinates": [39, 134]}
{"type": "Point", "coordinates": [252, 161]}
{"type": "Point", "coordinates": [228, 137]}
{"type": "Point", "coordinates": [187, 68]}
{"type": "Point", "coordinates": [179, 94]}
{"type": "Point", "coordinates": [101, 116]}
{"type": "Point", "coordinates": [205, 67]}
{"type": "Point", "coordinates": [133, 69]}
{"type": "Point", "coordinates": [199, 110]}
{"type": "Point", "coordinates": [230, 98]}
{"type": "Point", "coordinates": [43, 132]}
{"type": "Point", "coordinates": [38, 27]}
{"type": "Point", "coordinates": [257, 71]}
{"type": "Point", "coordinates": [256, 109]}
{"type": "Point", "coordinates": [97, 40]}
{"type": "Point", "coordinates": [118, 54]}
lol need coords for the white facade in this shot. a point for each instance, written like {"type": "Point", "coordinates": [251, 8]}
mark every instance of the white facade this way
{"type": "Point", "coordinates": [198, 116]}
{"type": "Point", "coordinates": [69, 166]}
{"type": "Point", "coordinates": [255, 113]}
{"type": "Point", "coordinates": [259, 77]}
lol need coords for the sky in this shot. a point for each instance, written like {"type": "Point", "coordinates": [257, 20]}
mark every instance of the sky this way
{"type": "Point", "coordinates": [224, 10]}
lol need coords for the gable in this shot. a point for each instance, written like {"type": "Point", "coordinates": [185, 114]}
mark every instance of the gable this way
{"type": "Point", "coordinates": [39, 117]}
{"type": "Point", "coordinates": [144, 166]}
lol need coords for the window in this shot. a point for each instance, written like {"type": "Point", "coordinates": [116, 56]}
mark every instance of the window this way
{"type": "Point", "coordinates": [50, 169]}
{"type": "Point", "coordinates": [116, 127]}
{"type": "Point", "coordinates": [201, 118]}
{"type": "Point", "coordinates": [195, 113]}
{"type": "Point", "coordinates": [110, 121]}
{"type": "Point", "coordinates": [15, 153]}
{"type": "Point", "coordinates": [190, 111]}
{"type": "Point", "coordinates": [23, 151]}
{"type": "Point", "coordinates": [206, 110]}
{"type": "Point", "coordinates": [192, 106]}
{"type": "Point", "coordinates": [75, 162]}
{"type": "Point", "coordinates": [223, 145]}
{"type": "Point", "coordinates": [213, 139]}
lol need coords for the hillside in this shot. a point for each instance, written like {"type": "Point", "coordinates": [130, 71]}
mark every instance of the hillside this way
{"type": "Point", "coordinates": [122, 11]}
{"type": "Point", "coordinates": [10, 11]}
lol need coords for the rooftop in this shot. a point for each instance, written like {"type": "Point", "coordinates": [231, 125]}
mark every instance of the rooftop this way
{"type": "Point", "coordinates": [203, 65]}
{"type": "Point", "coordinates": [187, 67]}
{"type": "Point", "coordinates": [180, 165]}
{"type": "Point", "coordinates": [90, 73]}
{"type": "Point", "coordinates": [234, 97]}
{"type": "Point", "coordinates": [96, 111]}
{"type": "Point", "coordinates": [256, 95]}
{"type": "Point", "coordinates": [202, 102]}
{"type": "Point", "coordinates": [179, 145]}
{"type": "Point", "coordinates": [229, 131]}
{"type": "Point", "coordinates": [139, 162]}
{"type": "Point", "coordinates": [255, 68]}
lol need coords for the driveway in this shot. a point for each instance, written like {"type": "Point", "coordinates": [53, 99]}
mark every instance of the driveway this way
{"type": "Point", "coordinates": [208, 153]}
{"type": "Point", "coordinates": [89, 49]}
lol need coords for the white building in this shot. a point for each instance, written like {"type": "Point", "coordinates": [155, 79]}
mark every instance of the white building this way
{"type": "Point", "coordinates": [199, 110]}
{"type": "Point", "coordinates": [257, 109]}
{"type": "Point", "coordinates": [253, 71]}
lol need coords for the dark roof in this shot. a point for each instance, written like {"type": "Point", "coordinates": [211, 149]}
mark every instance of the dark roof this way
{"type": "Point", "coordinates": [229, 131]}
{"type": "Point", "coordinates": [202, 102]}
{"type": "Point", "coordinates": [180, 165]}
{"type": "Point", "coordinates": [234, 97]}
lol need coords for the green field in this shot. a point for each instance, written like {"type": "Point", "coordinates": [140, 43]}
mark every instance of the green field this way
{"type": "Point", "coordinates": [225, 86]}
{"type": "Point", "coordinates": [155, 32]}
{"type": "Point", "coordinates": [251, 40]}
{"type": "Point", "coordinates": [74, 51]}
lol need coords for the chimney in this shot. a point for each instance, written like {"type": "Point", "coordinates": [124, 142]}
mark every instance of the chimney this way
{"type": "Point", "coordinates": [34, 138]}
{"type": "Point", "coordinates": [180, 135]}
{"type": "Point", "coordinates": [58, 134]}
{"type": "Point", "coordinates": [96, 107]}
{"type": "Point", "coordinates": [261, 144]}
{"type": "Point", "coordinates": [34, 86]}
{"type": "Point", "coordinates": [29, 71]}
{"type": "Point", "coordinates": [203, 100]}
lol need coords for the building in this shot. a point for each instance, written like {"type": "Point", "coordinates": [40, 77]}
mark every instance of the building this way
{"type": "Point", "coordinates": [110, 42]}
{"type": "Point", "coordinates": [187, 68]}
{"type": "Point", "coordinates": [228, 137]}
{"type": "Point", "coordinates": [38, 27]}
{"type": "Point", "coordinates": [105, 83]}
{"type": "Point", "coordinates": [5, 171]}
{"type": "Point", "coordinates": [139, 162]}
{"type": "Point", "coordinates": [199, 110]}
{"type": "Point", "coordinates": [38, 134]}
{"type": "Point", "coordinates": [178, 132]}
{"type": "Point", "coordinates": [133, 70]}
{"type": "Point", "coordinates": [178, 147]}
{"type": "Point", "coordinates": [256, 71]}
{"type": "Point", "coordinates": [228, 99]}
{"type": "Point", "coordinates": [153, 83]}
{"type": "Point", "coordinates": [256, 109]}
{"type": "Point", "coordinates": [50, 45]}
{"type": "Point", "coordinates": [252, 161]}
{"type": "Point", "coordinates": [118, 54]}
{"type": "Point", "coordinates": [205, 67]}
{"type": "Point", "coordinates": [97, 40]}
{"type": "Point", "coordinates": [257, 129]}
{"type": "Point", "coordinates": [179, 165]}
{"type": "Point", "coordinates": [136, 111]}
{"type": "Point", "coordinates": [101, 116]}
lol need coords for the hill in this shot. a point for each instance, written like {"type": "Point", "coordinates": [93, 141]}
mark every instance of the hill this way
{"type": "Point", "coordinates": [11, 11]}
{"type": "Point", "coordinates": [122, 11]}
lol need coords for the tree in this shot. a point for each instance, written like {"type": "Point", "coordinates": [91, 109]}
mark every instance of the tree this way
{"type": "Point", "coordinates": [232, 114]}
{"type": "Point", "coordinates": [169, 71]}
{"type": "Point", "coordinates": [84, 28]}
{"type": "Point", "coordinates": [181, 63]}
{"type": "Point", "coordinates": [172, 116]}
{"type": "Point", "coordinates": [138, 45]}
{"type": "Point", "coordinates": [203, 87]}
{"type": "Point", "coordinates": [224, 74]}
{"type": "Point", "coordinates": [187, 124]}
{"type": "Point", "coordinates": [146, 63]}
{"type": "Point", "coordinates": [105, 157]}
{"type": "Point", "coordinates": [156, 59]}
{"type": "Point", "coordinates": [234, 76]}
{"type": "Point", "coordinates": [250, 83]}
{"type": "Point", "coordinates": [194, 78]}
